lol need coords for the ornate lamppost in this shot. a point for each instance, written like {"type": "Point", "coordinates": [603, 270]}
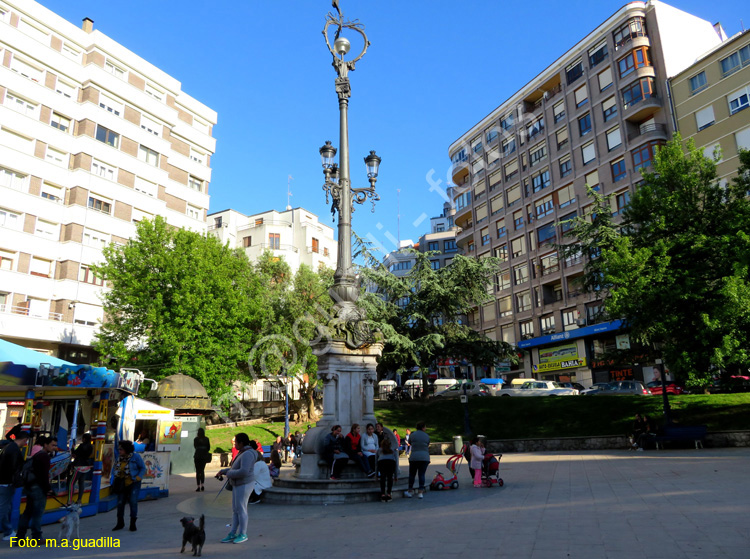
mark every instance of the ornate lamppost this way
{"type": "Point", "coordinates": [349, 321]}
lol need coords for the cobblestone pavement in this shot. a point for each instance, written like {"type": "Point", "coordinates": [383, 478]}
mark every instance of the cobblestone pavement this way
{"type": "Point", "coordinates": [605, 505]}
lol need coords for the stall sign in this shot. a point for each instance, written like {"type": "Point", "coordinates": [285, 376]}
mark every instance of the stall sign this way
{"type": "Point", "coordinates": [169, 433]}
{"type": "Point", "coordinates": [564, 356]}
{"type": "Point", "coordinates": [157, 468]}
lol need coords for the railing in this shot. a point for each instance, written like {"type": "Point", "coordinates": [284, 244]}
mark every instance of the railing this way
{"type": "Point", "coordinates": [550, 269]}
{"type": "Point", "coordinates": [640, 100]}
{"type": "Point", "coordinates": [273, 246]}
{"type": "Point", "coordinates": [648, 128]}
{"type": "Point", "coordinates": [25, 311]}
{"type": "Point", "coordinates": [253, 225]}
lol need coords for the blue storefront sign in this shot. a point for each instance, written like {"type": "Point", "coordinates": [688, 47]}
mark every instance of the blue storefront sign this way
{"type": "Point", "coordinates": [572, 334]}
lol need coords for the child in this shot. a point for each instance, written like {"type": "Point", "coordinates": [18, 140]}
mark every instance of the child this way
{"type": "Point", "coordinates": [477, 457]}
{"type": "Point", "coordinates": [274, 467]}
{"type": "Point", "coordinates": [387, 466]}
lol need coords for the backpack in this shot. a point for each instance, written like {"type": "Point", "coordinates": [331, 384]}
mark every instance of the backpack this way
{"type": "Point", "coordinates": [25, 477]}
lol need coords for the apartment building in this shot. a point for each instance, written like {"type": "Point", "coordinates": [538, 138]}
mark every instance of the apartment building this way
{"type": "Point", "coordinates": [93, 139]}
{"type": "Point", "coordinates": [592, 117]}
{"type": "Point", "coordinates": [709, 100]}
{"type": "Point", "coordinates": [296, 234]}
{"type": "Point", "coordinates": [441, 238]}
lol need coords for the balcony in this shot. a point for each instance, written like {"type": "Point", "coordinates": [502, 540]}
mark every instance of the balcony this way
{"type": "Point", "coordinates": [646, 132]}
{"type": "Point", "coordinates": [25, 311]}
{"type": "Point", "coordinates": [642, 108]}
{"type": "Point", "coordinates": [273, 246]}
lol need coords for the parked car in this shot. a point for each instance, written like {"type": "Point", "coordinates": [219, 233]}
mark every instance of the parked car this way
{"type": "Point", "coordinates": [594, 387]}
{"type": "Point", "coordinates": [575, 385]}
{"type": "Point", "coordinates": [672, 387]}
{"type": "Point", "coordinates": [472, 389]}
{"type": "Point", "coordinates": [538, 388]}
{"type": "Point", "coordinates": [623, 388]}
{"type": "Point", "coordinates": [728, 385]}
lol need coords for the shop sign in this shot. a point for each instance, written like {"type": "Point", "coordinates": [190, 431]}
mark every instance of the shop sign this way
{"type": "Point", "coordinates": [621, 374]}
{"type": "Point", "coordinates": [567, 364]}
{"type": "Point", "coordinates": [563, 356]}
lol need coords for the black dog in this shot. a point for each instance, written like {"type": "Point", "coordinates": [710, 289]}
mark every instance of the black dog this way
{"type": "Point", "coordinates": [196, 535]}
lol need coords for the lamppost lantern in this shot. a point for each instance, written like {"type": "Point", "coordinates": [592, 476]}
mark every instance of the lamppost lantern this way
{"type": "Point", "coordinates": [372, 162]}
{"type": "Point", "coordinates": [327, 153]}
{"type": "Point", "coordinates": [341, 46]}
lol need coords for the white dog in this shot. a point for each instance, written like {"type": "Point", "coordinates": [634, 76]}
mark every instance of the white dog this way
{"type": "Point", "coordinates": [70, 523]}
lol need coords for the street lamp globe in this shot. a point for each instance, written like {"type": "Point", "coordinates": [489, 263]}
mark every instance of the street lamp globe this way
{"type": "Point", "coordinates": [372, 162]}
{"type": "Point", "coordinates": [341, 46]}
{"type": "Point", "coordinates": [327, 153]}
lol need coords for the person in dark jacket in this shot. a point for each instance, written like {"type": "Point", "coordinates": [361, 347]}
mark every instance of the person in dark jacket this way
{"type": "Point", "coordinates": [11, 462]}
{"type": "Point", "coordinates": [82, 458]}
{"type": "Point", "coordinates": [129, 472]}
{"type": "Point", "coordinates": [37, 487]}
{"type": "Point", "coordinates": [353, 447]}
{"type": "Point", "coordinates": [333, 452]}
{"type": "Point", "coordinates": [202, 456]}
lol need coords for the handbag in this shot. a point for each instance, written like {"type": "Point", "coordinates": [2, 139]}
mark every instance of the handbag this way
{"type": "Point", "coordinates": [118, 486]}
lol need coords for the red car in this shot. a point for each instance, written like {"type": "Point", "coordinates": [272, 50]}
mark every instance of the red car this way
{"type": "Point", "coordinates": [672, 388]}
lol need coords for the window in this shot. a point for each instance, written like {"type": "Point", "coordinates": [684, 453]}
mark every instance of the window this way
{"type": "Point", "coordinates": [103, 170]}
{"type": "Point", "coordinates": [485, 236]}
{"type": "Point", "coordinates": [150, 126]}
{"type": "Point", "coordinates": [566, 167]}
{"type": "Point", "coordinates": [449, 246]}
{"type": "Point", "coordinates": [26, 70]}
{"type": "Point", "coordinates": [643, 156]}
{"type": "Point", "coordinates": [146, 187]}
{"type": "Point", "coordinates": [6, 263]}
{"type": "Point", "coordinates": [491, 136]}
{"type": "Point", "coordinates": [508, 334]}
{"type": "Point", "coordinates": [60, 122]}
{"type": "Point", "coordinates": [435, 264]}
{"type": "Point", "coordinates": [403, 265]}
{"type": "Point", "coordinates": [635, 27]}
{"type": "Point", "coordinates": [622, 199]}
{"type": "Point", "coordinates": [325, 252]}
{"type": "Point", "coordinates": [570, 318]}
{"type": "Point", "coordinates": [548, 324]}
{"type": "Point", "coordinates": [493, 155]}
{"type": "Point", "coordinates": [51, 192]}
{"type": "Point", "coordinates": [637, 58]}
{"type": "Point", "coordinates": [94, 238]}
{"type": "Point", "coordinates": [501, 253]}
{"type": "Point", "coordinates": [110, 105]}
{"type": "Point", "coordinates": [315, 245]}
{"type": "Point", "coordinates": [86, 275]}
{"type": "Point", "coordinates": [148, 155]}
{"type": "Point", "coordinates": [463, 200]}
{"type": "Point", "coordinates": [470, 246]}
{"type": "Point", "coordinates": [502, 280]}
{"type": "Point", "coordinates": [139, 215]}
{"type": "Point", "coordinates": [197, 156]}
{"type": "Point", "coordinates": [494, 179]}
{"type": "Point", "coordinates": [592, 179]}
{"type": "Point", "coordinates": [496, 204]}
{"type": "Point", "coordinates": [609, 108]}
{"type": "Point", "coordinates": [505, 306]}
{"type": "Point", "coordinates": [501, 230]}
{"type": "Point", "coordinates": [507, 122]}
{"type": "Point", "coordinates": [745, 55]}
{"type": "Point", "coordinates": [193, 212]}
{"type": "Point", "coordinates": [535, 128]}
{"type": "Point", "coordinates": [460, 156]}
{"type": "Point", "coordinates": [619, 171]}
{"type": "Point", "coordinates": [739, 100]}
{"type": "Point", "coordinates": [511, 169]}
{"type": "Point", "coordinates": [574, 71]}
{"type": "Point", "coordinates": [637, 92]}
{"type": "Point", "coordinates": [538, 153]}
{"type": "Point", "coordinates": [247, 242]}
{"type": "Point", "coordinates": [439, 228]}
{"type": "Point", "coordinates": [588, 152]}
{"type": "Point", "coordinates": [195, 183]}
{"type": "Point", "coordinates": [40, 267]}
{"type": "Point", "coordinates": [540, 181]}
{"type": "Point", "coordinates": [730, 64]}
{"type": "Point", "coordinates": [605, 79]}
{"type": "Point", "coordinates": [56, 157]}
{"type": "Point", "coordinates": [481, 213]}
{"type": "Point", "coordinates": [114, 70]}
{"type": "Point", "coordinates": [548, 263]}
{"type": "Point", "coordinates": [12, 179]}
{"type": "Point", "coordinates": [476, 145]}
{"type": "Point", "coordinates": [71, 52]}
{"type": "Point", "coordinates": [274, 241]}
{"type": "Point", "coordinates": [518, 220]}
{"type": "Point", "coordinates": [559, 111]}
{"type": "Point", "coordinates": [10, 219]}
{"type": "Point", "coordinates": [479, 189]}
{"type": "Point", "coordinates": [704, 118]}
{"type": "Point", "coordinates": [19, 104]}
{"type": "Point", "coordinates": [584, 124]}
{"type": "Point", "coordinates": [153, 92]}
{"type": "Point", "coordinates": [565, 196]}
{"type": "Point", "coordinates": [520, 274]}
{"type": "Point", "coordinates": [433, 245]}
{"type": "Point", "coordinates": [698, 83]}
{"type": "Point", "coordinates": [581, 96]}
{"type": "Point", "coordinates": [518, 247]}
{"type": "Point", "coordinates": [100, 205]}
{"type": "Point", "coordinates": [65, 89]}
{"type": "Point", "coordinates": [742, 138]}
{"type": "Point", "coordinates": [613, 138]}
{"type": "Point", "coordinates": [523, 303]}
{"type": "Point", "coordinates": [544, 206]}
{"type": "Point", "coordinates": [562, 137]}
{"type": "Point", "coordinates": [46, 229]}
{"type": "Point", "coordinates": [598, 53]}
{"type": "Point", "coordinates": [107, 136]}
{"type": "Point", "coordinates": [16, 141]}
{"type": "Point", "coordinates": [509, 146]}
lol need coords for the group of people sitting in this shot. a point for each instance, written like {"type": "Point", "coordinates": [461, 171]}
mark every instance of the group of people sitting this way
{"type": "Point", "coordinates": [643, 430]}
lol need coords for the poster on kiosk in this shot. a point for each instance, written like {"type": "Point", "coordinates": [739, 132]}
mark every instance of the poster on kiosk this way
{"type": "Point", "coordinates": [155, 433]}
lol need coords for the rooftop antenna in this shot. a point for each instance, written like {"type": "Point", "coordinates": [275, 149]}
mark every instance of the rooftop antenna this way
{"type": "Point", "coordinates": [398, 216]}
{"type": "Point", "coordinates": [289, 180]}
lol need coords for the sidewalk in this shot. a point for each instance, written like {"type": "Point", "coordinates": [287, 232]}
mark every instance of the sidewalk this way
{"type": "Point", "coordinates": [608, 505]}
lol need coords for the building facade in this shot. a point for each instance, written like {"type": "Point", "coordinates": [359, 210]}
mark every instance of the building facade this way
{"type": "Point", "coordinates": [592, 117]}
{"type": "Point", "coordinates": [93, 139]}
{"type": "Point", "coordinates": [709, 100]}
{"type": "Point", "coordinates": [296, 234]}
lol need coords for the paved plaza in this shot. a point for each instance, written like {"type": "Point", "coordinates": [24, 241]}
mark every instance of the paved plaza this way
{"type": "Point", "coordinates": [613, 505]}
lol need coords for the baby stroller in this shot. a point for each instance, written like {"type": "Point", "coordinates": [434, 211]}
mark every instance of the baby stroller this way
{"type": "Point", "coordinates": [490, 468]}
{"type": "Point", "coordinates": [450, 482]}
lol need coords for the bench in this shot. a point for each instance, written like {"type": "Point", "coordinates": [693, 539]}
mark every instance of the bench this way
{"type": "Point", "coordinates": [695, 434]}
{"type": "Point", "coordinates": [266, 450]}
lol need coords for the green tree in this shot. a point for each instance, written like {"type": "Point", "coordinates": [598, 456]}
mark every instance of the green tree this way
{"type": "Point", "coordinates": [678, 272]}
{"type": "Point", "coordinates": [422, 315]}
{"type": "Point", "coordinates": [179, 302]}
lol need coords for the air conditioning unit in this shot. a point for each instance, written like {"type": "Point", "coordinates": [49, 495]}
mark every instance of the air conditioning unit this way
{"type": "Point", "coordinates": [581, 322]}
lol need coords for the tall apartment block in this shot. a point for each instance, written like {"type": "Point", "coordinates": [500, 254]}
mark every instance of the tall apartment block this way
{"type": "Point", "coordinates": [296, 234]}
{"type": "Point", "coordinates": [710, 99]}
{"type": "Point", "coordinates": [592, 117]}
{"type": "Point", "coordinates": [92, 139]}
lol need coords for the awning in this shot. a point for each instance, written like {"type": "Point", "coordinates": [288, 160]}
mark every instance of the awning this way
{"type": "Point", "coordinates": [19, 355]}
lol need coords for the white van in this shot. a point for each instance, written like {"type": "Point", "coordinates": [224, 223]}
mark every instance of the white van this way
{"type": "Point", "coordinates": [414, 387]}
{"type": "Point", "coordinates": [385, 387]}
{"type": "Point", "coordinates": [443, 384]}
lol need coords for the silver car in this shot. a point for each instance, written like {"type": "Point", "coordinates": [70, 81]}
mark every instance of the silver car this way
{"type": "Point", "coordinates": [472, 389]}
{"type": "Point", "coordinates": [623, 388]}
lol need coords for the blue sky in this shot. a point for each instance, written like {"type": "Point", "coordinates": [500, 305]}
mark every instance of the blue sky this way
{"type": "Point", "coordinates": [433, 70]}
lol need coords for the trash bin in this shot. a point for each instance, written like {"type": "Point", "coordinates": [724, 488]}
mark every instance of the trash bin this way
{"type": "Point", "coordinates": [458, 444]}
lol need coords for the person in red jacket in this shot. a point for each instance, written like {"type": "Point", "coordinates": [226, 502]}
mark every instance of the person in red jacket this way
{"type": "Point", "coordinates": [353, 447]}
